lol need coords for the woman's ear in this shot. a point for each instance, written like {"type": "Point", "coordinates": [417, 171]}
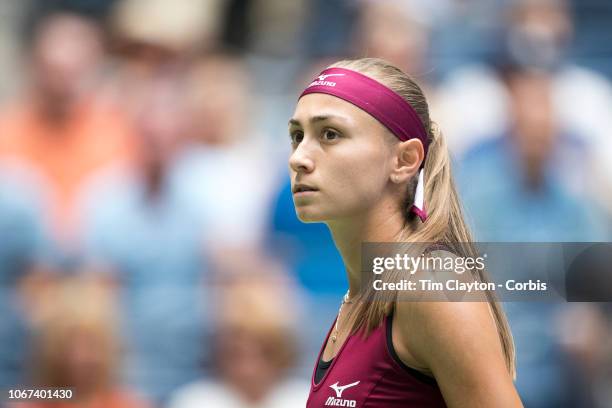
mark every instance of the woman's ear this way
{"type": "Point", "coordinates": [410, 154]}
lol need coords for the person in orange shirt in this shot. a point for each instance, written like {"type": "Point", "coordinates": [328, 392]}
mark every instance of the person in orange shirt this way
{"type": "Point", "coordinates": [60, 129]}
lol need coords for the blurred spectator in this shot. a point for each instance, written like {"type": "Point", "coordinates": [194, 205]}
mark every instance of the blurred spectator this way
{"type": "Point", "coordinates": [511, 190]}
{"type": "Point", "coordinates": [537, 36]}
{"type": "Point", "coordinates": [255, 348]}
{"type": "Point", "coordinates": [226, 155]}
{"type": "Point", "coordinates": [219, 93]}
{"type": "Point", "coordinates": [58, 130]}
{"type": "Point", "coordinates": [76, 345]}
{"type": "Point", "coordinates": [151, 234]}
{"type": "Point", "coordinates": [518, 176]}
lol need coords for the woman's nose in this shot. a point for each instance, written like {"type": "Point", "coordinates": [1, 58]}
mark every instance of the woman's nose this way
{"type": "Point", "coordinates": [301, 160]}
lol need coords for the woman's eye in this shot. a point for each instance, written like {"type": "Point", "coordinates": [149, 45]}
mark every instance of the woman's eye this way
{"type": "Point", "coordinates": [296, 137]}
{"type": "Point", "coordinates": [329, 134]}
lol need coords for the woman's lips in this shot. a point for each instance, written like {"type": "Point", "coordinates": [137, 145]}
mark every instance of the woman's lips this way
{"type": "Point", "coordinates": [303, 188]}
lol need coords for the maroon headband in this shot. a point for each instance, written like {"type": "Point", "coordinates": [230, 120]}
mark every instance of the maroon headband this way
{"type": "Point", "coordinates": [382, 103]}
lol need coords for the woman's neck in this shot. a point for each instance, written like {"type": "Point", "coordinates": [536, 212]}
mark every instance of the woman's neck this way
{"type": "Point", "coordinates": [383, 224]}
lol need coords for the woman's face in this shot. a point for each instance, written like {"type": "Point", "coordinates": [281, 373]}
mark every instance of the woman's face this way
{"type": "Point", "coordinates": [341, 159]}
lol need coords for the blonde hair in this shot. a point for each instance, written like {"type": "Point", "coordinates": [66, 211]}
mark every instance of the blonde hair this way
{"type": "Point", "coordinates": [445, 220]}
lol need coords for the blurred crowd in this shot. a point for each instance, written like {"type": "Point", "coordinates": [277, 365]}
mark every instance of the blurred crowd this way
{"type": "Point", "coordinates": [150, 254]}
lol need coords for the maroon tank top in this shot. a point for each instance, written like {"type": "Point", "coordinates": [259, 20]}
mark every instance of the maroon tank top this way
{"type": "Point", "coordinates": [367, 373]}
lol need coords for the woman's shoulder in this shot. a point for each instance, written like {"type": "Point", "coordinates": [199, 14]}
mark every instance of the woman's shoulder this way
{"type": "Point", "coordinates": [438, 318]}
{"type": "Point", "coordinates": [443, 334]}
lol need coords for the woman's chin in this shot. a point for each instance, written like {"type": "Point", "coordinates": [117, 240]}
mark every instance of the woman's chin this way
{"type": "Point", "coordinates": [308, 215]}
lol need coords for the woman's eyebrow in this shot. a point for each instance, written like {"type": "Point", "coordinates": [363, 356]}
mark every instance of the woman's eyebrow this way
{"type": "Point", "coordinates": [317, 118]}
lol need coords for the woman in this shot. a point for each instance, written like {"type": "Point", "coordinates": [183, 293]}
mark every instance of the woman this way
{"type": "Point", "coordinates": [362, 148]}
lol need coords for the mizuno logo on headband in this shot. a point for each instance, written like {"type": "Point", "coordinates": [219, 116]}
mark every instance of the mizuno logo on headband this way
{"type": "Point", "coordinates": [324, 76]}
{"type": "Point", "coordinates": [322, 80]}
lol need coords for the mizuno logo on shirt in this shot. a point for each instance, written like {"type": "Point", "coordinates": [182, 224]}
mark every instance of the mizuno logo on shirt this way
{"type": "Point", "coordinates": [340, 388]}
{"type": "Point", "coordinates": [339, 401]}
